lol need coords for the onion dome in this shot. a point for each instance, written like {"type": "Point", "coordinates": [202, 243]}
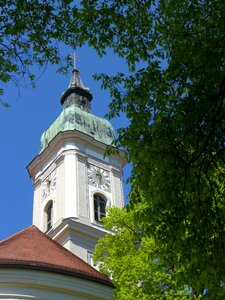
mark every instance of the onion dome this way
{"type": "Point", "coordinates": [76, 115]}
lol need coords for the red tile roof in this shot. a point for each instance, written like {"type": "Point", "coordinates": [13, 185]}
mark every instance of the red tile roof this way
{"type": "Point", "coordinates": [31, 248]}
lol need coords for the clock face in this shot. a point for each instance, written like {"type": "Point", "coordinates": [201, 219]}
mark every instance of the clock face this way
{"type": "Point", "coordinates": [49, 184]}
{"type": "Point", "coordinates": [99, 178]}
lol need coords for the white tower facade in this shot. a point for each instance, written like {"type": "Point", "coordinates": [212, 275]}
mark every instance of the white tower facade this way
{"type": "Point", "coordinates": [74, 180]}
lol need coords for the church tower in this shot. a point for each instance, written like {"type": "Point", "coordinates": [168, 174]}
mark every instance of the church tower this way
{"type": "Point", "coordinates": [74, 180]}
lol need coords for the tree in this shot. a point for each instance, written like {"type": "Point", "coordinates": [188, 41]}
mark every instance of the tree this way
{"type": "Point", "coordinates": [30, 34]}
{"type": "Point", "coordinates": [131, 261]}
{"type": "Point", "coordinates": [173, 97]}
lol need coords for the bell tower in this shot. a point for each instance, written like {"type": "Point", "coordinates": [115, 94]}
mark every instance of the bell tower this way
{"type": "Point", "coordinates": [74, 180]}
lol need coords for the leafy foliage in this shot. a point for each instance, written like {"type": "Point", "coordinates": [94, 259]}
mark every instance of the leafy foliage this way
{"type": "Point", "coordinates": [131, 260]}
{"type": "Point", "coordinates": [30, 34]}
{"type": "Point", "coordinates": [174, 99]}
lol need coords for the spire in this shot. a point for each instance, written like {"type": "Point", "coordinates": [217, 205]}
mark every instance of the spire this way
{"type": "Point", "coordinates": [76, 94]}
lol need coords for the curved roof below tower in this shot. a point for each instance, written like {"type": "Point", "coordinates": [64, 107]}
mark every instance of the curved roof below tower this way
{"type": "Point", "coordinates": [74, 118]}
{"type": "Point", "coordinates": [32, 249]}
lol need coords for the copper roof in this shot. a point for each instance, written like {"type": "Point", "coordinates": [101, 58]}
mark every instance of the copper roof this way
{"type": "Point", "coordinates": [31, 248]}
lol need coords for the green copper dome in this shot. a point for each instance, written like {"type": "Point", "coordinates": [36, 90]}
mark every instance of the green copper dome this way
{"type": "Point", "coordinates": [76, 115]}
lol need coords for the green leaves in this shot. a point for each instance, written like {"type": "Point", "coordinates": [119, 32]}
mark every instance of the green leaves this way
{"type": "Point", "coordinates": [29, 35]}
{"type": "Point", "coordinates": [173, 97]}
{"type": "Point", "coordinates": [131, 259]}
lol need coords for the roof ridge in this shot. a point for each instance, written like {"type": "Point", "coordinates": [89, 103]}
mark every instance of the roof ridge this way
{"type": "Point", "coordinates": [65, 249]}
{"type": "Point", "coordinates": [16, 234]}
{"type": "Point", "coordinates": [66, 252]}
{"type": "Point", "coordinates": [74, 256]}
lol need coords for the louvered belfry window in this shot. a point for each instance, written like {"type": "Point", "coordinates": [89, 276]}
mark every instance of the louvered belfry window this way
{"type": "Point", "coordinates": [99, 207]}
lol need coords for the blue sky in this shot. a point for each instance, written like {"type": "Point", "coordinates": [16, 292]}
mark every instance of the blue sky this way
{"type": "Point", "coordinates": [29, 116]}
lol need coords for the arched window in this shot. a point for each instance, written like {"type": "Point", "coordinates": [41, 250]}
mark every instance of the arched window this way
{"type": "Point", "coordinates": [99, 207]}
{"type": "Point", "coordinates": [48, 215]}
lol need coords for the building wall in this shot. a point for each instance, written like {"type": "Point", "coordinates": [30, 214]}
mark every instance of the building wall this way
{"type": "Point", "coordinates": [62, 175]}
{"type": "Point", "coordinates": [35, 284]}
{"type": "Point", "coordinates": [66, 171]}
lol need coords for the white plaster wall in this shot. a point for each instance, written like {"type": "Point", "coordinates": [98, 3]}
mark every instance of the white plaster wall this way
{"type": "Point", "coordinates": [82, 186]}
{"type": "Point", "coordinates": [70, 184]}
{"type": "Point", "coordinates": [36, 205]}
{"type": "Point", "coordinates": [59, 208]}
{"type": "Point", "coordinates": [117, 189]}
{"type": "Point", "coordinates": [98, 155]}
{"type": "Point", "coordinates": [73, 195]}
{"type": "Point", "coordinates": [81, 245]}
{"type": "Point", "coordinates": [35, 284]}
{"type": "Point", "coordinates": [76, 248]}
